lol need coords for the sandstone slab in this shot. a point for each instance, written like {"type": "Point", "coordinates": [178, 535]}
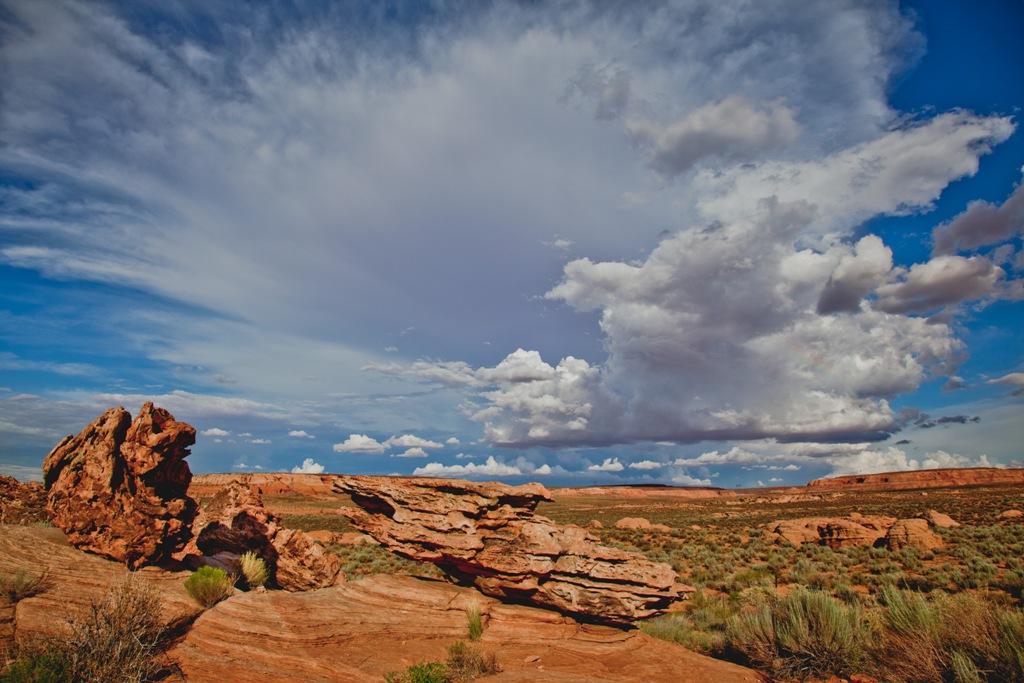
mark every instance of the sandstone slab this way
{"type": "Point", "coordinates": [487, 535]}
{"type": "Point", "coordinates": [912, 533]}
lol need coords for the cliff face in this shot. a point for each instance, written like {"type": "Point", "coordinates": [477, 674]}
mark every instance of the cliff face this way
{"type": "Point", "coordinates": [923, 479]}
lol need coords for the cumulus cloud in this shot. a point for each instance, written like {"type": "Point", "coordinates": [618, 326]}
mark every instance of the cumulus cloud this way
{"type": "Point", "coordinates": [894, 459]}
{"type": "Point", "coordinates": [942, 281]}
{"type": "Point", "coordinates": [683, 479]}
{"type": "Point", "coordinates": [733, 129]}
{"type": "Point", "coordinates": [308, 467]}
{"type": "Point", "coordinates": [857, 274]}
{"type": "Point", "coordinates": [414, 452]}
{"type": "Point", "coordinates": [410, 441]}
{"type": "Point", "coordinates": [646, 465]}
{"type": "Point", "coordinates": [260, 441]}
{"type": "Point", "coordinates": [359, 443]}
{"type": "Point", "coordinates": [491, 468]}
{"type": "Point", "coordinates": [1013, 379]}
{"type": "Point", "coordinates": [215, 431]}
{"type": "Point", "coordinates": [300, 434]}
{"type": "Point", "coordinates": [609, 465]}
{"type": "Point", "coordinates": [981, 224]}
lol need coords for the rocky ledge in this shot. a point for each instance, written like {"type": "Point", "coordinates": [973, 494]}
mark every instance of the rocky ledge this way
{"type": "Point", "coordinates": [923, 479]}
{"type": "Point", "coordinates": [487, 535]}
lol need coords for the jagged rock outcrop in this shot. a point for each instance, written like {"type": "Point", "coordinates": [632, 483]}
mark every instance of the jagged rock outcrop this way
{"type": "Point", "coordinates": [487, 535]}
{"type": "Point", "coordinates": [119, 488]}
{"type": "Point", "coordinates": [235, 521]}
{"type": "Point", "coordinates": [923, 479]}
{"type": "Point", "coordinates": [21, 503]}
{"type": "Point", "coordinates": [912, 533]}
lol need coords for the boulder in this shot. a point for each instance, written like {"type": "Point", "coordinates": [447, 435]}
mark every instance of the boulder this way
{"type": "Point", "coordinates": [235, 521]}
{"type": "Point", "coordinates": [1010, 514]}
{"type": "Point", "coordinates": [21, 503]}
{"type": "Point", "coordinates": [487, 535]}
{"type": "Point", "coordinates": [913, 533]}
{"type": "Point", "coordinates": [939, 520]}
{"type": "Point", "coordinates": [640, 524]}
{"type": "Point", "coordinates": [836, 533]}
{"type": "Point", "coordinates": [119, 488]}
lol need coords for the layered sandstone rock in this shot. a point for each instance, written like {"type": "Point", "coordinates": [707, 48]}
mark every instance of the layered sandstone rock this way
{"type": "Point", "coordinates": [235, 521]}
{"type": "Point", "coordinates": [21, 503]}
{"type": "Point", "coordinates": [487, 535]}
{"type": "Point", "coordinates": [939, 520]}
{"type": "Point", "coordinates": [265, 483]}
{"type": "Point", "coordinates": [640, 524]}
{"type": "Point", "coordinates": [912, 533]}
{"type": "Point", "coordinates": [119, 488]}
{"type": "Point", "coordinates": [857, 529]}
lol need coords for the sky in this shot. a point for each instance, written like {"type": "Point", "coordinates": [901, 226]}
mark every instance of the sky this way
{"type": "Point", "coordinates": [704, 243]}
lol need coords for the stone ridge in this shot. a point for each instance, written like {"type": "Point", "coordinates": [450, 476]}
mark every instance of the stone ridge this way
{"type": "Point", "coordinates": [923, 479]}
{"type": "Point", "coordinates": [487, 535]}
{"type": "Point", "coordinates": [120, 488]}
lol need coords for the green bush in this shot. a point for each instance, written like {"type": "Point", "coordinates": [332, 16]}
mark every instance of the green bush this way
{"type": "Point", "coordinates": [806, 633]}
{"type": "Point", "coordinates": [254, 569]}
{"type": "Point", "coordinates": [42, 666]}
{"type": "Point", "coordinates": [424, 672]}
{"type": "Point", "coordinates": [209, 585]}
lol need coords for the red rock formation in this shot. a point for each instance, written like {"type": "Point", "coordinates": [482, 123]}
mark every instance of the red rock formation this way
{"type": "Point", "coordinates": [235, 521]}
{"type": "Point", "coordinates": [912, 533]}
{"type": "Point", "coordinates": [486, 535]}
{"type": "Point", "coordinates": [21, 503]}
{"type": "Point", "coordinates": [939, 520]}
{"type": "Point", "coordinates": [923, 479]}
{"type": "Point", "coordinates": [640, 491]}
{"type": "Point", "coordinates": [640, 524]}
{"type": "Point", "coordinates": [119, 488]}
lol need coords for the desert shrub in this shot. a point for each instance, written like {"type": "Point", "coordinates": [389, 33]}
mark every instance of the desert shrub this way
{"type": "Point", "coordinates": [115, 640]}
{"type": "Point", "coordinates": [23, 584]}
{"type": "Point", "coordinates": [475, 622]}
{"type": "Point", "coordinates": [254, 569]}
{"type": "Point", "coordinates": [465, 662]}
{"type": "Point", "coordinates": [806, 633]}
{"type": "Point", "coordinates": [209, 585]}
{"type": "Point", "coordinates": [951, 638]}
{"type": "Point", "coordinates": [746, 578]}
{"type": "Point", "coordinates": [424, 672]}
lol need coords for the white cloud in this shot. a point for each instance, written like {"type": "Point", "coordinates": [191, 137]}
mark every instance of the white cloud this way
{"type": "Point", "coordinates": [943, 281]}
{"type": "Point", "coordinates": [410, 441]}
{"type": "Point", "coordinates": [260, 441]}
{"type": "Point", "coordinates": [894, 459]}
{"type": "Point", "coordinates": [1014, 379]}
{"type": "Point", "coordinates": [359, 443]}
{"type": "Point", "coordinates": [414, 452]}
{"type": "Point", "coordinates": [300, 434]}
{"type": "Point", "coordinates": [646, 465]}
{"type": "Point", "coordinates": [308, 467]}
{"type": "Point", "coordinates": [982, 224]}
{"type": "Point", "coordinates": [684, 479]}
{"type": "Point", "coordinates": [491, 468]}
{"type": "Point", "coordinates": [609, 465]}
{"type": "Point", "coordinates": [732, 129]}
{"type": "Point", "coordinates": [452, 441]}
{"type": "Point", "coordinates": [215, 431]}
{"type": "Point", "coordinates": [543, 470]}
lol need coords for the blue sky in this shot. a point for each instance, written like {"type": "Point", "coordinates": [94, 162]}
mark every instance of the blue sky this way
{"type": "Point", "coordinates": [729, 244]}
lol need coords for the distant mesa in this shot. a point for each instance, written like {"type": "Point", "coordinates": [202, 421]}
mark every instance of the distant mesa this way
{"type": "Point", "coordinates": [923, 479]}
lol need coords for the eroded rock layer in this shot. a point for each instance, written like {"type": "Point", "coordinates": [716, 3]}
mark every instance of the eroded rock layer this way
{"type": "Point", "coordinates": [235, 521]}
{"type": "Point", "coordinates": [487, 535]}
{"type": "Point", "coordinates": [119, 488]}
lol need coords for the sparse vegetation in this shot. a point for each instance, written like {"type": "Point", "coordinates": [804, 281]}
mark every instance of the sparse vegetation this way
{"type": "Point", "coordinates": [23, 584]}
{"type": "Point", "coordinates": [254, 569]}
{"type": "Point", "coordinates": [463, 663]}
{"type": "Point", "coordinates": [475, 622]}
{"type": "Point", "coordinates": [115, 640]}
{"type": "Point", "coordinates": [209, 585]}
